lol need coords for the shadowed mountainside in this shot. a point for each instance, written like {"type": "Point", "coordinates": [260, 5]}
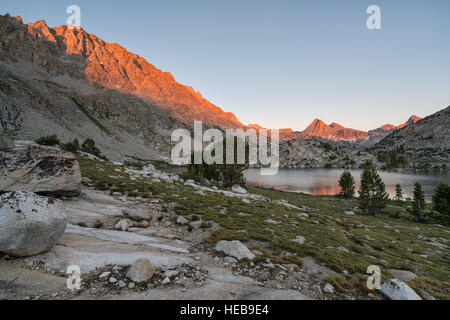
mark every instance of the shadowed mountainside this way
{"type": "Point", "coordinates": [67, 82]}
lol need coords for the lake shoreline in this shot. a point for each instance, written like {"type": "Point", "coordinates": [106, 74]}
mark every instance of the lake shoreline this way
{"type": "Point", "coordinates": [324, 181]}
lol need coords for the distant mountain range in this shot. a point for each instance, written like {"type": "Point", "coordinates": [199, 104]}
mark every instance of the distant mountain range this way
{"type": "Point", "coordinates": [336, 132]}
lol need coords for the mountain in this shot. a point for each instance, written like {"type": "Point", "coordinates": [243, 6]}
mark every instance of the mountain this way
{"type": "Point", "coordinates": [428, 137]}
{"type": "Point", "coordinates": [411, 121]}
{"type": "Point", "coordinates": [383, 130]}
{"type": "Point", "coordinates": [284, 134]}
{"type": "Point", "coordinates": [334, 132]}
{"type": "Point", "coordinates": [256, 127]}
{"type": "Point", "coordinates": [378, 134]}
{"type": "Point", "coordinates": [68, 82]}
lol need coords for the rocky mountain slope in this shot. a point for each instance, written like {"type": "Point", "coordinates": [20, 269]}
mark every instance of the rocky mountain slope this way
{"type": "Point", "coordinates": [429, 137]}
{"type": "Point", "coordinates": [320, 153]}
{"type": "Point", "coordinates": [411, 121]}
{"type": "Point", "coordinates": [67, 82]}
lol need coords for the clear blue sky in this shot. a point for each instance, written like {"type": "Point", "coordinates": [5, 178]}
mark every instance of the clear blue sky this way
{"type": "Point", "coordinates": [283, 63]}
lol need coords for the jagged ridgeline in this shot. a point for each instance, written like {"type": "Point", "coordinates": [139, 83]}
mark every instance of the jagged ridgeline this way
{"type": "Point", "coordinates": [73, 84]}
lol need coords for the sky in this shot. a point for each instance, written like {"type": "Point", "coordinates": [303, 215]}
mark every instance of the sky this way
{"type": "Point", "coordinates": [283, 63]}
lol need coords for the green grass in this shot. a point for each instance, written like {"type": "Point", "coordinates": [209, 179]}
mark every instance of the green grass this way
{"type": "Point", "coordinates": [385, 240]}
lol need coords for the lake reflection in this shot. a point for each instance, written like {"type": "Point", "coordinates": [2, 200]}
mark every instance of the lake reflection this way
{"type": "Point", "coordinates": [325, 181]}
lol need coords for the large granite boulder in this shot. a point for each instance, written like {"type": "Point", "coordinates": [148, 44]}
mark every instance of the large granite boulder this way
{"type": "Point", "coordinates": [141, 271]}
{"type": "Point", "coordinates": [39, 169]}
{"type": "Point", "coordinates": [398, 290]}
{"type": "Point", "coordinates": [29, 224]}
{"type": "Point", "coordinates": [235, 249]}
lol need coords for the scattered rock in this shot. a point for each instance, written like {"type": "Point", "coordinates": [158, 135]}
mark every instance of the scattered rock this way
{"type": "Point", "coordinates": [112, 280]}
{"type": "Point", "coordinates": [165, 281]}
{"type": "Point", "coordinates": [398, 290]}
{"type": "Point", "coordinates": [123, 225]}
{"type": "Point", "coordinates": [149, 168]}
{"type": "Point", "coordinates": [104, 275]}
{"type": "Point", "coordinates": [343, 249]}
{"type": "Point", "coordinates": [30, 224]}
{"type": "Point", "coordinates": [349, 213]}
{"type": "Point", "coordinates": [328, 288]}
{"type": "Point", "coordinates": [190, 183]}
{"type": "Point", "coordinates": [317, 290]}
{"type": "Point", "coordinates": [171, 274]}
{"type": "Point", "coordinates": [238, 189]}
{"type": "Point", "coordinates": [303, 215]}
{"type": "Point", "coordinates": [182, 221]}
{"type": "Point", "coordinates": [141, 271]}
{"type": "Point", "coordinates": [300, 240]}
{"type": "Point", "coordinates": [230, 260]}
{"type": "Point", "coordinates": [138, 214]}
{"type": "Point", "coordinates": [235, 249]}
{"type": "Point", "coordinates": [196, 224]}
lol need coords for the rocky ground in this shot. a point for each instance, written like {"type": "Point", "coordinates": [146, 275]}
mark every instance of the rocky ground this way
{"type": "Point", "coordinates": [299, 247]}
{"type": "Point", "coordinates": [321, 153]}
{"type": "Point", "coordinates": [187, 267]}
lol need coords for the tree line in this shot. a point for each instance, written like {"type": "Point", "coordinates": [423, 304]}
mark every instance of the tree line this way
{"type": "Point", "coordinates": [373, 196]}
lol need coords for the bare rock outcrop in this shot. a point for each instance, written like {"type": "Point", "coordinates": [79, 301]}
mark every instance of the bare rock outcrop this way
{"type": "Point", "coordinates": [398, 290]}
{"type": "Point", "coordinates": [39, 169]}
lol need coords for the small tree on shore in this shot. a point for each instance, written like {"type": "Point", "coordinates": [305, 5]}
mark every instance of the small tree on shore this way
{"type": "Point", "coordinates": [441, 199]}
{"type": "Point", "coordinates": [372, 193]}
{"type": "Point", "coordinates": [419, 201]}
{"type": "Point", "coordinates": [398, 193]}
{"type": "Point", "coordinates": [347, 184]}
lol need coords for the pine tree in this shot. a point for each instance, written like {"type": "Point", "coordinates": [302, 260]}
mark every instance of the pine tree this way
{"type": "Point", "coordinates": [441, 199]}
{"type": "Point", "coordinates": [229, 174]}
{"type": "Point", "coordinates": [372, 193]}
{"type": "Point", "coordinates": [419, 201]}
{"type": "Point", "coordinates": [347, 184]}
{"type": "Point", "coordinates": [398, 193]}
